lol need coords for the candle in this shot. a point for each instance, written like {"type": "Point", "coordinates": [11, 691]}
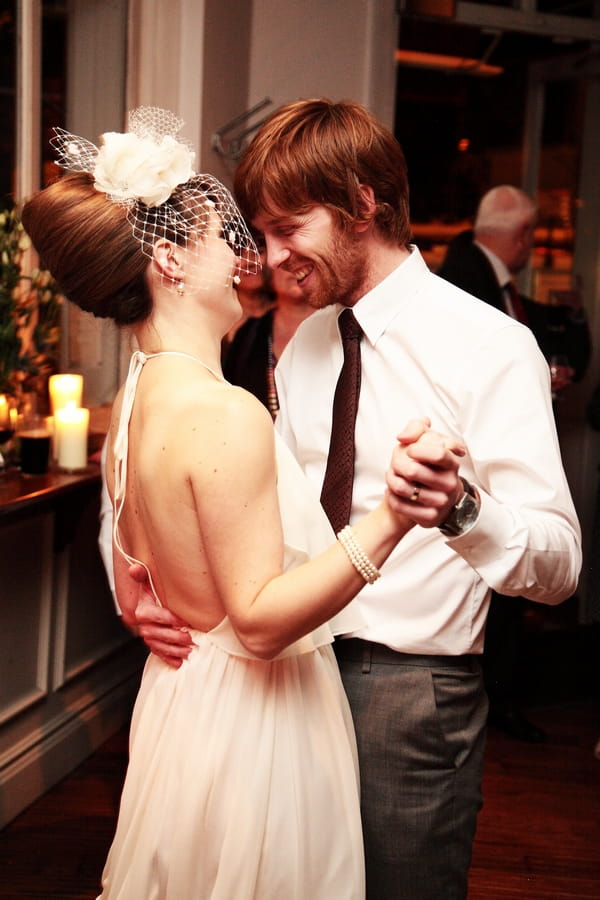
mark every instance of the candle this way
{"type": "Point", "coordinates": [6, 426]}
{"type": "Point", "coordinates": [50, 427]}
{"type": "Point", "coordinates": [71, 432]}
{"type": "Point", "coordinates": [65, 389]}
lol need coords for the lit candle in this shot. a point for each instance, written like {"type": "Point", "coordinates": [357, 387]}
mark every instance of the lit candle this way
{"type": "Point", "coordinates": [65, 389]}
{"type": "Point", "coordinates": [5, 421]}
{"type": "Point", "coordinates": [71, 431]}
{"type": "Point", "coordinates": [50, 427]}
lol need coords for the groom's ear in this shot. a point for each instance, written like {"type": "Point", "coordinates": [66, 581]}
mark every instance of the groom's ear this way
{"type": "Point", "coordinates": [367, 207]}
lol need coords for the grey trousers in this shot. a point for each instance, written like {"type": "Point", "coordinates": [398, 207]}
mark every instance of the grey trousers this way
{"type": "Point", "coordinates": [421, 738]}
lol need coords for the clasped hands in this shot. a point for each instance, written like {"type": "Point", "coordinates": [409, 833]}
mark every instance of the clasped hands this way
{"type": "Point", "coordinates": [422, 480]}
{"type": "Point", "coordinates": [422, 484]}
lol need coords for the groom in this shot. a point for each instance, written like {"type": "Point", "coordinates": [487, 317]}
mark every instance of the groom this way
{"type": "Point", "coordinates": [325, 184]}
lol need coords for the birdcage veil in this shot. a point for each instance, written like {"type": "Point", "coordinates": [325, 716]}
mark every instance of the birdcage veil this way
{"type": "Point", "coordinates": [149, 171]}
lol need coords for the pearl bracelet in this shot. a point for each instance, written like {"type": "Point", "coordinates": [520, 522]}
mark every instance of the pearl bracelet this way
{"type": "Point", "coordinates": [357, 555]}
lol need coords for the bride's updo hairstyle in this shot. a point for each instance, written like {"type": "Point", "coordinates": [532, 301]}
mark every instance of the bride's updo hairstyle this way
{"type": "Point", "coordinates": [96, 228]}
{"type": "Point", "coordinates": [86, 242]}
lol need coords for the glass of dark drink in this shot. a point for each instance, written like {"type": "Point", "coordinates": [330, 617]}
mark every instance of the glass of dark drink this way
{"type": "Point", "coordinates": [33, 436]}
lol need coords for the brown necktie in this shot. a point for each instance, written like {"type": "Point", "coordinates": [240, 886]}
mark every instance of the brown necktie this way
{"type": "Point", "coordinates": [516, 302]}
{"type": "Point", "coordinates": [336, 494]}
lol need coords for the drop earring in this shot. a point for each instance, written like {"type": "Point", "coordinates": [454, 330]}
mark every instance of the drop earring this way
{"type": "Point", "coordinates": [180, 288]}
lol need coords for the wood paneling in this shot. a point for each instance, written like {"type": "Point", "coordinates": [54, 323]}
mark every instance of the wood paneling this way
{"type": "Point", "coordinates": [68, 668]}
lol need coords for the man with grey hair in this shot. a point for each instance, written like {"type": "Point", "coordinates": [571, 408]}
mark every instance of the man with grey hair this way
{"type": "Point", "coordinates": [504, 228]}
{"type": "Point", "coordinates": [485, 262]}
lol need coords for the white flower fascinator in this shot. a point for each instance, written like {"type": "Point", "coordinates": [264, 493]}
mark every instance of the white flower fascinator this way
{"type": "Point", "coordinates": [149, 170]}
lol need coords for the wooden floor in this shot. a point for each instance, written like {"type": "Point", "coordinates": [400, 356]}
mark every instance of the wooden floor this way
{"type": "Point", "coordinates": [538, 836]}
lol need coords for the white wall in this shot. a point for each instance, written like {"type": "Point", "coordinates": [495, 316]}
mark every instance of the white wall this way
{"type": "Point", "coordinates": [224, 76]}
{"type": "Point", "coordinates": [341, 49]}
{"type": "Point", "coordinates": [97, 61]}
{"type": "Point", "coordinates": [165, 58]}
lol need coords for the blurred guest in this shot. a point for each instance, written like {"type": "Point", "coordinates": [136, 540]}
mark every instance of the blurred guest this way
{"type": "Point", "coordinates": [252, 355]}
{"type": "Point", "coordinates": [485, 262]}
{"type": "Point", "coordinates": [256, 297]}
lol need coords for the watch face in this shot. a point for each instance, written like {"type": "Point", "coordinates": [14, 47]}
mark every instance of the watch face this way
{"type": "Point", "coordinates": [462, 516]}
{"type": "Point", "coordinates": [466, 513]}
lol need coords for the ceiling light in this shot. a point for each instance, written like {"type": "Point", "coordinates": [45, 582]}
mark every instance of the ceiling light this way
{"type": "Point", "coordinates": [457, 64]}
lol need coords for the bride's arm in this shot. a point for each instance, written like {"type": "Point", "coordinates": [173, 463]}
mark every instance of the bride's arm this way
{"type": "Point", "coordinates": [244, 544]}
{"type": "Point", "coordinates": [279, 608]}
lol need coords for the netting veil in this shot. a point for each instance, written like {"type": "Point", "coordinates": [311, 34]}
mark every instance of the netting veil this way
{"type": "Point", "coordinates": [149, 171]}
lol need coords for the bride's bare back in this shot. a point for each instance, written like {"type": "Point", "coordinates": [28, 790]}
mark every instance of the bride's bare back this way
{"type": "Point", "coordinates": [201, 510]}
{"type": "Point", "coordinates": [201, 505]}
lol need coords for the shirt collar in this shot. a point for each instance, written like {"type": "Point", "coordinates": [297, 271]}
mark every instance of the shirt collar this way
{"type": "Point", "coordinates": [385, 301]}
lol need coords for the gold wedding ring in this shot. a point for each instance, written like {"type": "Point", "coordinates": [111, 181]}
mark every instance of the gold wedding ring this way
{"type": "Point", "coordinates": [415, 494]}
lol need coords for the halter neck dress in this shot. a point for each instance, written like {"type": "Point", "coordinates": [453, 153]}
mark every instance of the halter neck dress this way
{"type": "Point", "coordinates": [242, 781]}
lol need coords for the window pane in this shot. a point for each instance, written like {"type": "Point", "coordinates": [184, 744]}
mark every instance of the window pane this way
{"type": "Point", "coordinates": [54, 71]}
{"type": "Point", "coordinates": [8, 42]}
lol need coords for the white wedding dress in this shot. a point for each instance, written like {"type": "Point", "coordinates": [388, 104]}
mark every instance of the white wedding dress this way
{"type": "Point", "coordinates": [242, 781]}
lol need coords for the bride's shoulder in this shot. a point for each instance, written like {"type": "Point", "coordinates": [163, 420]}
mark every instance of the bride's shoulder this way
{"type": "Point", "coordinates": [227, 408]}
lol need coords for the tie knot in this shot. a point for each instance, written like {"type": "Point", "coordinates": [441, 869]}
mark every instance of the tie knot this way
{"type": "Point", "coordinates": [349, 327]}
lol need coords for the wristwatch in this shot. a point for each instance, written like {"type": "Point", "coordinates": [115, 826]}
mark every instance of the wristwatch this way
{"type": "Point", "coordinates": [464, 512]}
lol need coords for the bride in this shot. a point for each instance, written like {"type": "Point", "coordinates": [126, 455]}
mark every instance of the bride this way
{"type": "Point", "coordinates": [242, 780]}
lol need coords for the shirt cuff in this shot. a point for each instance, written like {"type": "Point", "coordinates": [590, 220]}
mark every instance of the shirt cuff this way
{"type": "Point", "coordinates": [488, 537]}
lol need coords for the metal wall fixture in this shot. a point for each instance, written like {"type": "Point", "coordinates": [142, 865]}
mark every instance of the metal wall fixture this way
{"type": "Point", "coordinates": [232, 146]}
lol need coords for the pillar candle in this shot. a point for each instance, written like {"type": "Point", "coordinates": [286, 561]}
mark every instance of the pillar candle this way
{"type": "Point", "coordinates": [50, 427]}
{"type": "Point", "coordinates": [5, 422]}
{"type": "Point", "coordinates": [65, 389]}
{"type": "Point", "coordinates": [71, 432]}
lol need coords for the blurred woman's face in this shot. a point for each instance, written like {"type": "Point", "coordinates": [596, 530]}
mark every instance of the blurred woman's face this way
{"type": "Point", "coordinates": [286, 286]}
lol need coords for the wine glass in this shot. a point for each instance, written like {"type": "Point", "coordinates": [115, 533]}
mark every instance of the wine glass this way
{"type": "Point", "coordinates": [560, 373]}
{"type": "Point", "coordinates": [7, 427]}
